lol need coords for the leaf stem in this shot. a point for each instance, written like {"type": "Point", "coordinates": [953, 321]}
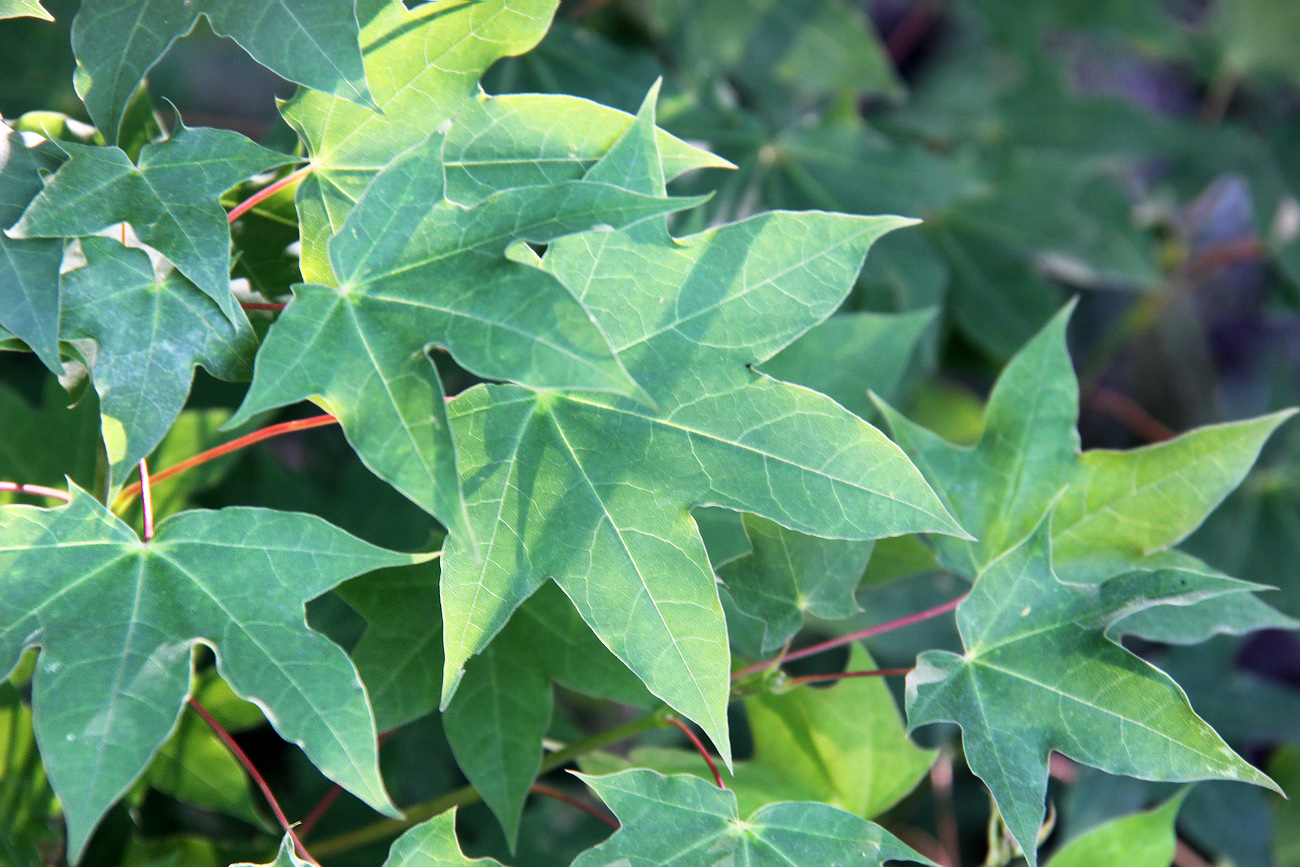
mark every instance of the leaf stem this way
{"type": "Point", "coordinates": [146, 500]}
{"type": "Point", "coordinates": [36, 490]}
{"type": "Point", "coordinates": [247, 763]}
{"type": "Point", "coordinates": [261, 305]}
{"type": "Point", "coordinates": [266, 192]}
{"type": "Point", "coordinates": [548, 791]}
{"type": "Point", "coordinates": [927, 614]}
{"type": "Point", "coordinates": [875, 672]}
{"type": "Point", "coordinates": [699, 745]}
{"type": "Point", "coordinates": [256, 436]}
{"type": "Point", "coordinates": [425, 810]}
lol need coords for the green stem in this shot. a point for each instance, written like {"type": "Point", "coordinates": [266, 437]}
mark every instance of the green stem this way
{"type": "Point", "coordinates": [425, 810]}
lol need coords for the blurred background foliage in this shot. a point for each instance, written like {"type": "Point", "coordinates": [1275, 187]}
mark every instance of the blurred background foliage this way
{"type": "Point", "coordinates": [1141, 154]}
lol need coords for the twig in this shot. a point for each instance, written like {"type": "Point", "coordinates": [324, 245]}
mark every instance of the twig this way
{"type": "Point", "coordinates": [855, 636]}
{"type": "Point", "coordinates": [247, 763]}
{"type": "Point", "coordinates": [875, 672]}
{"type": "Point", "coordinates": [543, 789]}
{"type": "Point", "coordinates": [699, 745]}
{"type": "Point", "coordinates": [256, 436]}
{"type": "Point", "coordinates": [261, 305]}
{"type": "Point", "coordinates": [1130, 413]}
{"type": "Point", "coordinates": [265, 193]}
{"type": "Point", "coordinates": [36, 490]}
{"type": "Point", "coordinates": [146, 500]}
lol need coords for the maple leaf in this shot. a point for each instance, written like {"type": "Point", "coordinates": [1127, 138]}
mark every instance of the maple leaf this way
{"type": "Point", "coordinates": [171, 198]}
{"type": "Point", "coordinates": [285, 856]}
{"type": "Point", "coordinates": [117, 618]}
{"type": "Point", "coordinates": [682, 820]}
{"type": "Point", "coordinates": [1145, 839]}
{"type": "Point", "coordinates": [416, 269]}
{"type": "Point", "coordinates": [311, 42]}
{"type": "Point", "coordinates": [843, 745]}
{"type": "Point", "coordinates": [1039, 673]}
{"type": "Point", "coordinates": [148, 335]}
{"type": "Point", "coordinates": [1119, 509]}
{"type": "Point", "coordinates": [29, 269]}
{"type": "Point", "coordinates": [595, 490]}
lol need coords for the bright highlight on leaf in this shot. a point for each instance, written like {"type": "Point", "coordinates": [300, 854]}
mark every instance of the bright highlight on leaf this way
{"type": "Point", "coordinates": [21, 8]}
{"type": "Point", "coordinates": [1039, 673]}
{"type": "Point", "coordinates": [116, 620]}
{"type": "Point", "coordinates": [683, 821]}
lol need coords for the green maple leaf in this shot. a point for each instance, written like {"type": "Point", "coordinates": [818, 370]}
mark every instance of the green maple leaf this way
{"type": "Point", "coordinates": [416, 269]}
{"type": "Point", "coordinates": [1039, 673]}
{"type": "Point", "coordinates": [843, 745]}
{"type": "Point", "coordinates": [311, 42]}
{"type": "Point", "coordinates": [425, 63]}
{"type": "Point", "coordinates": [148, 336]}
{"type": "Point", "coordinates": [595, 490]}
{"type": "Point", "coordinates": [171, 197]}
{"type": "Point", "coordinates": [499, 716]}
{"type": "Point", "coordinates": [685, 821]}
{"type": "Point", "coordinates": [1119, 509]}
{"type": "Point", "coordinates": [24, 8]}
{"type": "Point", "coordinates": [29, 269]}
{"type": "Point", "coordinates": [1145, 839]}
{"type": "Point", "coordinates": [117, 618]}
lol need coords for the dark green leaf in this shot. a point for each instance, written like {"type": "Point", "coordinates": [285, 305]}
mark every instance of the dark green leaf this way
{"type": "Point", "coordinates": [29, 268]}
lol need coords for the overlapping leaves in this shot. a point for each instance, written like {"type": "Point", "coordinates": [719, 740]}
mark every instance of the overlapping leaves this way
{"type": "Point", "coordinates": [1121, 510]}
{"type": "Point", "coordinates": [594, 490]}
{"type": "Point", "coordinates": [117, 618]}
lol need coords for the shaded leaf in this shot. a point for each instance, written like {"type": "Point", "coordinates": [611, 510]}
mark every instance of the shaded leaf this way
{"type": "Point", "coordinates": [683, 820]}
{"type": "Point", "coordinates": [287, 856]}
{"type": "Point", "coordinates": [311, 42]}
{"type": "Point", "coordinates": [148, 335]}
{"type": "Point", "coordinates": [29, 268]}
{"type": "Point", "coordinates": [595, 491]}
{"type": "Point", "coordinates": [108, 690]}
{"type": "Point", "coordinates": [1039, 674]}
{"type": "Point", "coordinates": [170, 196]}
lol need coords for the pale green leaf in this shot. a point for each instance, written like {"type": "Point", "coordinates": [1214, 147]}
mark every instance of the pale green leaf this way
{"type": "Point", "coordinates": [148, 334]}
{"type": "Point", "coordinates": [1141, 840]}
{"type": "Point", "coordinates": [843, 745]}
{"type": "Point", "coordinates": [24, 8]}
{"type": "Point", "coordinates": [170, 196]}
{"type": "Point", "coordinates": [431, 844]}
{"type": "Point", "coordinates": [312, 42]}
{"type": "Point", "coordinates": [29, 268]}
{"type": "Point", "coordinates": [684, 821]}
{"type": "Point", "coordinates": [595, 491]}
{"type": "Point", "coordinates": [1039, 674]}
{"type": "Point", "coordinates": [109, 689]}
